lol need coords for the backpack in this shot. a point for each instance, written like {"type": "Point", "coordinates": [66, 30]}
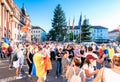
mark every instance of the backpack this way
{"type": "Point", "coordinates": [76, 78]}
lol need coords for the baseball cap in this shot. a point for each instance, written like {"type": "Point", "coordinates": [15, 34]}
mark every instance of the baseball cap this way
{"type": "Point", "coordinates": [89, 56]}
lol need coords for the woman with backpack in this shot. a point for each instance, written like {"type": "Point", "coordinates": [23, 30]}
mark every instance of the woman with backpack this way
{"type": "Point", "coordinates": [74, 73]}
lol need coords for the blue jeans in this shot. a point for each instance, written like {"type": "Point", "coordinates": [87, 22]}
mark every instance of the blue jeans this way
{"type": "Point", "coordinates": [95, 68]}
{"type": "Point", "coordinates": [64, 79]}
{"type": "Point", "coordinates": [89, 80]}
{"type": "Point", "coordinates": [59, 67]}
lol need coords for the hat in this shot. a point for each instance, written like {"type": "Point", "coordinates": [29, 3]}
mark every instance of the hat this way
{"type": "Point", "coordinates": [117, 54]}
{"type": "Point", "coordinates": [89, 56]}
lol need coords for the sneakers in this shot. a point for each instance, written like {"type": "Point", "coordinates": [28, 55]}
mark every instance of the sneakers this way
{"type": "Point", "coordinates": [29, 75]}
{"type": "Point", "coordinates": [19, 77]}
{"type": "Point", "coordinates": [11, 68]}
{"type": "Point", "coordinates": [56, 77]}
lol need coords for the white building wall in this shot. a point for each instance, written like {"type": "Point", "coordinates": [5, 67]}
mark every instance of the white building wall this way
{"type": "Point", "coordinates": [36, 33]}
{"type": "Point", "coordinates": [113, 35]}
{"type": "Point", "coordinates": [75, 31]}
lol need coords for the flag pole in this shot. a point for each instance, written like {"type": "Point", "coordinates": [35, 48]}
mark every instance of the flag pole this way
{"type": "Point", "coordinates": [80, 25]}
{"type": "Point", "coordinates": [80, 34]}
{"type": "Point", "coordinates": [73, 27]}
{"type": "Point", "coordinates": [68, 29]}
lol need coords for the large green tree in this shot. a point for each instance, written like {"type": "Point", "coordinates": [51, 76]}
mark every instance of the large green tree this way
{"type": "Point", "coordinates": [58, 31]}
{"type": "Point", "coordinates": [85, 31]}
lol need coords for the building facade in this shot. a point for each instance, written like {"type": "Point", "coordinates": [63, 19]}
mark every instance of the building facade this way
{"type": "Point", "coordinates": [12, 19]}
{"type": "Point", "coordinates": [99, 34]}
{"type": "Point", "coordinates": [113, 35]}
{"type": "Point", "coordinates": [76, 30]}
{"type": "Point", "coordinates": [38, 34]}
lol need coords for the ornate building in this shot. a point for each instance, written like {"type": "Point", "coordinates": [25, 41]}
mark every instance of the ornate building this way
{"type": "Point", "coordinates": [12, 19]}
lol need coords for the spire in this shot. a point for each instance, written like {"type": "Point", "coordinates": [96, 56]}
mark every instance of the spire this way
{"type": "Point", "coordinates": [23, 9]}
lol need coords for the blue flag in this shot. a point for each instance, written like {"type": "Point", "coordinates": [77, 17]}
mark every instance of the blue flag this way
{"type": "Point", "coordinates": [80, 20]}
{"type": "Point", "coordinates": [6, 41]}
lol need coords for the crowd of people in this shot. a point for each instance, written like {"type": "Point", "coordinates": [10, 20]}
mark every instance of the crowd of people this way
{"type": "Point", "coordinates": [75, 63]}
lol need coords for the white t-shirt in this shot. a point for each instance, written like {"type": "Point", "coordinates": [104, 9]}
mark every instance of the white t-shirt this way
{"type": "Point", "coordinates": [94, 55]}
{"type": "Point", "coordinates": [111, 76]}
{"type": "Point", "coordinates": [90, 68]}
{"type": "Point", "coordinates": [20, 57]}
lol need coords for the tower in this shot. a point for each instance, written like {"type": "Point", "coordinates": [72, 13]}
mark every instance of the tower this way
{"type": "Point", "coordinates": [23, 9]}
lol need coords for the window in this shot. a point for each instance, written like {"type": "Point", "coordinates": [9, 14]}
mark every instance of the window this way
{"type": "Point", "coordinates": [94, 30]}
{"type": "Point", "coordinates": [77, 32]}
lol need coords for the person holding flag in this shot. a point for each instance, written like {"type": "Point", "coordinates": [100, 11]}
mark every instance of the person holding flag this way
{"type": "Point", "coordinates": [39, 65]}
{"type": "Point", "coordinates": [7, 50]}
{"type": "Point", "coordinates": [5, 46]}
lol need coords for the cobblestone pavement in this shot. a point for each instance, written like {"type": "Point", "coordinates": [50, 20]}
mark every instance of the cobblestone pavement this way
{"type": "Point", "coordinates": [7, 75]}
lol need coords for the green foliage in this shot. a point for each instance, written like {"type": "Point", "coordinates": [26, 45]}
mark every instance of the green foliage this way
{"type": "Point", "coordinates": [85, 31]}
{"type": "Point", "coordinates": [71, 36]}
{"type": "Point", "coordinates": [58, 23]}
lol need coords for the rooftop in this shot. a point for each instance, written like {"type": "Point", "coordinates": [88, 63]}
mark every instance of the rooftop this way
{"type": "Point", "coordinates": [113, 31]}
{"type": "Point", "coordinates": [99, 27]}
{"type": "Point", "coordinates": [37, 27]}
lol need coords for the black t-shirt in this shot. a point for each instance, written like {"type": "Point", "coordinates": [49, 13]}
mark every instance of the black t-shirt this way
{"type": "Point", "coordinates": [59, 55]}
{"type": "Point", "coordinates": [31, 56]}
{"type": "Point", "coordinates": [82, 52]}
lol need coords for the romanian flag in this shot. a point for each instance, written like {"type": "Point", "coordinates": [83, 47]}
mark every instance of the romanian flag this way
{"type": "Point", "coordinates": [24, 29]}
{"type": "Point", "coordinates": [6, 41]}
{"type": "Point", "coordinates": [5, 45]}
{"type": "Point", "coordinates": [73, 24]}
